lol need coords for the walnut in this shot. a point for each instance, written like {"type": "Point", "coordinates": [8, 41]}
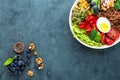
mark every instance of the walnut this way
{"type": "Point", "coordinates": [38, 60]}
{"type": "Point", "coordinates": [41, 66]}
{"type": "Point", "coordinates": [31, 46]}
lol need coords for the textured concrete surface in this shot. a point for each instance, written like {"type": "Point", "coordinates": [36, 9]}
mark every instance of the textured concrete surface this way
{"type": "Point", "coordinates": [45, 22]}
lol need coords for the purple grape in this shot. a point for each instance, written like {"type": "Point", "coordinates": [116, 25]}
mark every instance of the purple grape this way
{"type": "Point", "coordinates": [20, 58]}
{"type": "Point", "coordinates": [95, 8]}
{"type": "Point", "coordinates": [28, 51]}
{"type": "Point", "coordinates": [17, 67]}
{"type": "Point", "coordinates": [19, 72]}
{"type": "Point", "coordinates": [10, 69]}
{"type": "Point", "coordinates": [23, 63]}
{"type": "Point", "coordinates": [93, 3]}
{"type": "Point", "coordinates": [15, 61]}
{"type": "Point", "coordinates": [12, 64]}
{"type": "Point", "coordinates": [16, 73]}
{"type": "Point", "coordinates": [13, 69]}
{"type": "Point", "coordinates": [29, 55]}
{"type": "Point", "coordinates": [22, 68]}
{"type": "Point", "coordinates": [20, 63]}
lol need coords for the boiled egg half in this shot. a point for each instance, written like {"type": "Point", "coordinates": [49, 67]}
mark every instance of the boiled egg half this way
{"type": "Point", "coordinates": [103, 25]}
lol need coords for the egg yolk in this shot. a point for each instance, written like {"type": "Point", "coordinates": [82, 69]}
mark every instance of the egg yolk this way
{"type": "Point", "coordinates": [103, 27]}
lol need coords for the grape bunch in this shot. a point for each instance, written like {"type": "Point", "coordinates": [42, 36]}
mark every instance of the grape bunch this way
{"type": "Point", "coordinates": [17, 66]}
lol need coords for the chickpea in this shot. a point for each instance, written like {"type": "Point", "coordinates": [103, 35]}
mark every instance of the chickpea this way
{"type": "Point", "coordinates": [30, 73]}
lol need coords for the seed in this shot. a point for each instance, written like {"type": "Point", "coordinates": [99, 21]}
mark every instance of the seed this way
{"type": "Point", "coordinates": [35, 53]}
{"type": "Point", "coordinates": [41, 66]}
{"type": "Point", "coordinates": [31, 46]}
{"type": "Point", "coordinates": [30, 73]}
{"type": "Point", "coordinates": [38, 60]}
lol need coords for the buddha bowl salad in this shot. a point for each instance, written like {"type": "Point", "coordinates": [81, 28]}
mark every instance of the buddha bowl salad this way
{"type": "Point", "coordinates": [96, 22]}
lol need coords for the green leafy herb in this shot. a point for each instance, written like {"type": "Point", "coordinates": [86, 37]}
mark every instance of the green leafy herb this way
{"type": "Point", "coordinates": [98, 37]}
{"type": "Point", "coordinates": [117, 5]}
{"type": "Point", "coordinates": [93, 34]}
{"type": "Point", "coordinates": [9, 61]}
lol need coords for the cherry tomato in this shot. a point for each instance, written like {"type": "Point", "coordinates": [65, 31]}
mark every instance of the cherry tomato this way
{"type": "Point", "coordinates": [102, 40]}
{"type": "Point", "coordinates": [108, 41]}
{"type": "Point", "coordinates": [113, 34]}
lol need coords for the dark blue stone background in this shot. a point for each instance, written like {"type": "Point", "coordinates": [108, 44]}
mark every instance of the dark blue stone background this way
{"type": "Point", "coordinates": [45, 22]}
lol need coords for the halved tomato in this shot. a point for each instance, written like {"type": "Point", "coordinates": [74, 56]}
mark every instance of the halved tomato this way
{"type": "Point", "coordinates": [108, 41]}
{"type": "Point", "coordinates": [102, 38]}
{"type": "Point", "coordinates": [113, 34]}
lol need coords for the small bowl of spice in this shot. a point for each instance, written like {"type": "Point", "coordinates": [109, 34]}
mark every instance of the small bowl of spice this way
{"type": "Point", "coordinates": [18, 47]}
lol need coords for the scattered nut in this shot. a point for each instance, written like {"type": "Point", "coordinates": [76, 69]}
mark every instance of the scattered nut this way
{"type": "Point", "coordinates": [19, 47]}
{"type": "Point", "coordinates": [38, 60]}
{"type": "Point", "coordinates": [108, 4]}
{"type": "Point", "coordinates": [35, 53]}
{"type": "Point", "coordinates": [31, 46]}
{"type": "Point", "coordinates": [41, 66]}
{"type": "Point", "coordinates": [104, 8]}
{"type": "Point", "coordinates": [112, 3]}
{"type": "Point", "coordinates": [30, 73]}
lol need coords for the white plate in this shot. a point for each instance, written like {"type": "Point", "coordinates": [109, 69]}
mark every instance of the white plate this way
{"type": "Point", "coordinates": [94, 47]}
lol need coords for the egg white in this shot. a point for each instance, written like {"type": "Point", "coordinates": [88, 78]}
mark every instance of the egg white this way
{"type": "Point", "coordinates": [103, 20]}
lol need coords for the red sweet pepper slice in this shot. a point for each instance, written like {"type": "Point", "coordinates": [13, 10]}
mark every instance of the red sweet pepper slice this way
{"type": "Point", "coordinates": [82, 25]}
